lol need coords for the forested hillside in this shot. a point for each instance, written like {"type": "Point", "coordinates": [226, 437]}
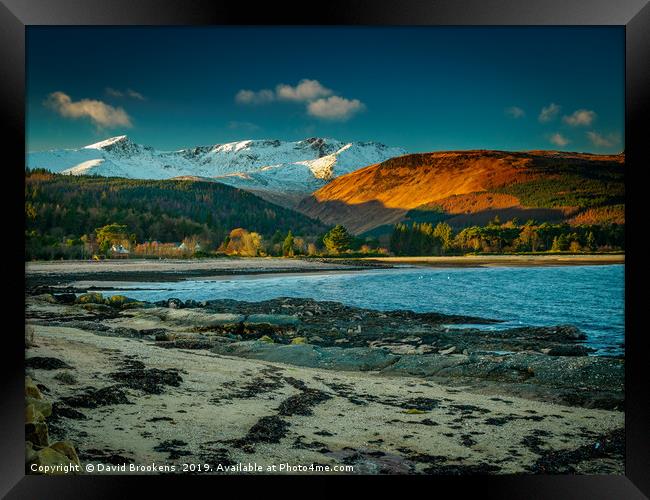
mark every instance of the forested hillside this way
{"type": "Point", "coordinates": [62, 212]}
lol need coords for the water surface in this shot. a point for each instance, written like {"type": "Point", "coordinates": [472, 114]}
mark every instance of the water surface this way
{"type": "Point", "coordinates": [589, 297]}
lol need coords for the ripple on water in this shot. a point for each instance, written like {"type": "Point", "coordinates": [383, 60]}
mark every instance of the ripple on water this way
{"type": "Point", "coordinates": [589, 297]}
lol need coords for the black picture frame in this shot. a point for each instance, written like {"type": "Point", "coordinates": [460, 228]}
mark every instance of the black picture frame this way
{"type": "Point", "coordinates": [634, 15]}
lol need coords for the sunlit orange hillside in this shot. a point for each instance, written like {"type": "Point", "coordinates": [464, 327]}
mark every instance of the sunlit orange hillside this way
{"type": "Point", "coordinates": [471, 187]}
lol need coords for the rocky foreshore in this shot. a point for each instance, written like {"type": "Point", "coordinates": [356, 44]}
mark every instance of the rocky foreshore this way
{"type": "Point", "coordinates": [302, 380]}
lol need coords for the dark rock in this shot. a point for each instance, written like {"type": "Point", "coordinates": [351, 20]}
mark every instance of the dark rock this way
{"type": "Point", "coordinates": [149, 380]}
{"type": "Point", "coordinates": [266, 430]}
{"type": "Point", "coordinates": [65, 298]}
{"type": "Point", "coordinates": [93, 398]}
{"type": "Point", "coordinates": [44, 363]}
{"type": "Point", "coordinates": [175, 303]}
{"type": "Point", "coordinates": [301, 404]}
{"type": "Point", "coordinates": [610, 445]}
{"type": "Point", "coordinates": [570, 350]}
{"type": "Point", "coordinates": [60, 411]}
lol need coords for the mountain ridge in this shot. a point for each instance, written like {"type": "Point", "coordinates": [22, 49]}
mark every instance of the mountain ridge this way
{"type": "Point", "coordinates": [268, 167]}
{"type": "Point", "coordinates": [465, 186]}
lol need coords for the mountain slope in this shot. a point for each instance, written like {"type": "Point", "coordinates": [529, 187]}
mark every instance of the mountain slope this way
{"type": "Point", "coordinates": [282, 172]}
{"type": "Point", "coordinates": [62, 207]}
{"type": "Point", "coordinates": [468, 187]}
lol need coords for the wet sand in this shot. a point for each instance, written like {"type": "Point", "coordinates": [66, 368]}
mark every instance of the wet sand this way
{"type": "Point", "coordinates": [505, 260]}
{"type": "Point", "coordinates": [98, 273]}
{"type": "Point", "coordinates": [54, 273]}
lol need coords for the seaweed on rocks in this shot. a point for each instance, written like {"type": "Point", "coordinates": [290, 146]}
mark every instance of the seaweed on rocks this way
{"type": "Point", "coordinates": [134, 375]}
{"type": "Point", "coordinates": [610, 445]}
{"type": "Point", "coordinates": [92, 397]}
{"type": "Point", "coordinates": [269, 429]}
{"type": "Point", "coordinates": [302, 403]}
{"type": "Point", "coordinates": [46, 363]}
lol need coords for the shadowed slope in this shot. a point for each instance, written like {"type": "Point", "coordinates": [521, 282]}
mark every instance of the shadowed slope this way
{"type": "Point", "coordinates": [471, 182]}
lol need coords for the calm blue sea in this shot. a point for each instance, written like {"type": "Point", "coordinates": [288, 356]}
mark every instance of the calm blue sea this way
{"type": "Point", "coordinates": [589, 297]}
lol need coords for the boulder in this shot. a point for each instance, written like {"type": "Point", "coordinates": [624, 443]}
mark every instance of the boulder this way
{"type": "Point", "coordinates": [37, 433]}
{"type": "Point", "coordinates": [31, 390]}
{"type": "Point", "coordinates": [425, 366]}
{"type": "Point", "coordinates": [32, 415]}
{"type": "Point", "coordinates": [334, 358]}
{"type": "Point", "coordinates": [271, 319]}
{"type": "Point", "coordinates": [40, 406]}
{"type": "Point", "coordinates": [66, 448]}
{"type": "Point", "coordinates": [30, 453]}
{"type": "Point", "coordinates": [98, 308]}
{"type": "Point", "coordinates": [52, 458]}
{"type": "Point", "coordinates": [165, 336]}
{"type": "Point", "coordinates": [118, 301]}
{"type": "Point", "coordinates": [570, 350]}
{"type": "Point", "coordinates": [174, 303]}
{"type": "Point", "coordinates": [194, 318]}
{"type": "Point", "coordinates": [299, 340]}
{"type": "Point", "coordinates": [65, 298]}
{"type": "Point", "coordinates": [90, 298]}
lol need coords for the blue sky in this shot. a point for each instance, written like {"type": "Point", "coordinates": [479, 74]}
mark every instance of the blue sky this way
{"type": "Point", "coordinates": [421, 88]}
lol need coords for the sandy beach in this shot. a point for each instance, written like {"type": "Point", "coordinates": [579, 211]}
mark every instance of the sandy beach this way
{"type": "Point", "coordinates": [170, 386]}
{"type": "Point", "coordinates": [109, 272]}
{"type": "Point", "coordinates": [505, 260]}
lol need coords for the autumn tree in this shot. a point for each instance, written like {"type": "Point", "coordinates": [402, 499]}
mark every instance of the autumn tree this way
{"type": "Point", "coordinates": [242, 242]}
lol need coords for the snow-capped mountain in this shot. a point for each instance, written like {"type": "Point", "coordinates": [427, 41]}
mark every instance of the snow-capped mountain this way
{"type": "Point", "coordinates": [271, 168]}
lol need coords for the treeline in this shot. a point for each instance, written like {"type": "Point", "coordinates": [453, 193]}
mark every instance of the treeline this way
{"type": "Point", "coordinates": [580, 186]}
{"type": "Point", "coordinates": [511, 237]}
{"type": "Point", "coordinates": [62, 211]}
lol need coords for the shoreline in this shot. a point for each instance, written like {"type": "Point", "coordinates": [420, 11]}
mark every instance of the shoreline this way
{"type": "Point", "coordinates": [397, 394]}
{"type": "Point", "coordinates": [58, 273]}
{"type": "Point", "coordinates": [504, 260]}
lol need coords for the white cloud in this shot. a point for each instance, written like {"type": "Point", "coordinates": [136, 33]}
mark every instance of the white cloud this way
{"type": "Point", "coordinates": [602, 141]}
{"type": "Point", "coordinates": [515, 112]}
{"type": "Point", "coordinates": [549, 112]}
{"type": "Point", "coordinates": [125, 93]}
{"type": "Point", "coordinates": [114, 93]}
{"type": "Point", "coordinates": [319, 100]}
{"type": "Point", "coordinates": [583, 117]}
{"type": "Point", "coordinates": [305, 91]}
{"type": "Point", "coordinates": [100, 113]}
{"type": "Point", "coordinates": [135, 95]}
{"type": "Point", "coordinates": [334, 108]}
{"type": "Point", "coordinates": [559, 140]}
{"type": "Point", "coordinates": [245, 96]}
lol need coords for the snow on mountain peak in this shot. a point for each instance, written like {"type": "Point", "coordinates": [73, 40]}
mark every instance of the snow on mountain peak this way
{"type": "Point", "coordinates": [107, 142]}
{"type": "Point", "coordinates": [263, 166]}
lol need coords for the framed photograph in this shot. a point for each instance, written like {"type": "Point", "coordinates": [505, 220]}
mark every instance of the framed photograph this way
{"type": "Point", "coordinates": [367, 240]}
